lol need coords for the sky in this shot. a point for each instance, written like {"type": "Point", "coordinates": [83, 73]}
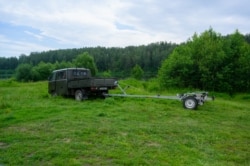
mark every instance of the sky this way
{"type": "Point", "coordinates": [34, 26]}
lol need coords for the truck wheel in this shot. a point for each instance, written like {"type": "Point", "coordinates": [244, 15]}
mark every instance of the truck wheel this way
{"type": "Point", "coordinates": [54, 94]}
{"type": "Point", "coordinates": [78, 95]}
{"type": "Point", "coordinates": [190, 102]}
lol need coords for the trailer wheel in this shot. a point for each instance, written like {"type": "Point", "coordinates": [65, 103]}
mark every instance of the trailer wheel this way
{"type": "Point", "coordinates": [190, 102]}
{"type": "Point", "coordinates": [78, 95]}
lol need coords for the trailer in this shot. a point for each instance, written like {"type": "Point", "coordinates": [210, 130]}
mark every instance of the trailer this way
{"type": "Point", "coordinates": [189, 100]}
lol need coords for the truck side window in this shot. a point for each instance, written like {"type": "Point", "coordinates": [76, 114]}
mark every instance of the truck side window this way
{"type": "Point", "coordinates": [61, 75]}
{"type": "Point", "coordinates": [79, 73]}
{"type": "Point", "coordinates": [83, 73]}
{"type": "Point", "coordinates": [75, 73]}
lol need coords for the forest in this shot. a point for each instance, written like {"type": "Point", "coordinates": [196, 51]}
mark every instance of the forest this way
{"type": "Point", "coordinates": [115, 60]}
{"type": "Point", "coordinates": [206, 61]}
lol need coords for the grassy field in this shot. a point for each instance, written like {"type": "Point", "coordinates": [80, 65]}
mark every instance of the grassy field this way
{"type": "Point", "coordinates": [36, 129]}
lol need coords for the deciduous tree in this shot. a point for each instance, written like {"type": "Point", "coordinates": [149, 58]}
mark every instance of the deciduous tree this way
{"type": "Point", "coordinates": [86, 61]}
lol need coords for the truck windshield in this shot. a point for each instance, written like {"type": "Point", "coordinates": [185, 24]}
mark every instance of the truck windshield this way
{"type": "Point", "coordinates": [52, 77]}
{"type": "Point", "coordinates": [61, 75]}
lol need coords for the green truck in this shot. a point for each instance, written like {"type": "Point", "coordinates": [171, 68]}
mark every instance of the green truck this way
{"type": "Point", "coordinates": [79, 83]}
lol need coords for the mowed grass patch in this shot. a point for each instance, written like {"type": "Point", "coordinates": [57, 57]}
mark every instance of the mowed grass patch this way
{"type": "Point", "coordinates": [36, 129]}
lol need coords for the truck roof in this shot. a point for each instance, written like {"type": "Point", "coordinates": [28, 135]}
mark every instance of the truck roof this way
{"type": "Point", "coordinates": [70, 69]}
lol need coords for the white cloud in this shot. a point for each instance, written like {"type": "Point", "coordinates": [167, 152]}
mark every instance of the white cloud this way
{"type": "Point", "coordinates": [67, 24]}
{"type": "Point", "coordinates": [39, 37]}
{"type": "Point", "coordinates": [16, 48]}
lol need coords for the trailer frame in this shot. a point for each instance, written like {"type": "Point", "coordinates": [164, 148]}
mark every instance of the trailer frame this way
{"type": "Point", "coordinates": [189, 100]}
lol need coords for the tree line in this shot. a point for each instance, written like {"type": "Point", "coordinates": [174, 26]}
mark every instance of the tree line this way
{"type": "Point", "coordinates": [27, 72]}
{"type": "Point", "coordinates": [209, 61]}
{"type": "Point", "coordinates": [116, 61]}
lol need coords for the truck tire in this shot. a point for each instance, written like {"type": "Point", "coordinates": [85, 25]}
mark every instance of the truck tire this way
{"type": "Point", "coordinates": [78, 95]}
{"type": "Point", "coordinates": [190, 102]}
{"type": "Point", "coordinates": [54, 94]}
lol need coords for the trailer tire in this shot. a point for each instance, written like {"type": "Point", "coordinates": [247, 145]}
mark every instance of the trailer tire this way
{"type": "Point", "coordinates": [78, 95]}
{"type": "Point", "coordinates": [190, 102]}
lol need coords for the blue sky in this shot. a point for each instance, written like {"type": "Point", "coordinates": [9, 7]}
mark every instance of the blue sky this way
{"type": "Point", "coordinates": [33, 26]}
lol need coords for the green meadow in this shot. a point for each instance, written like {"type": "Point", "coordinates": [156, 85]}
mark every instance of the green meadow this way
{"type": "Point", "coordinates": [37, 129]}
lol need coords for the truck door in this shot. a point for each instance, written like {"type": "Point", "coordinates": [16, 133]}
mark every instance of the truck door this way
{"type": "Point", "coordinates": [61, 87]}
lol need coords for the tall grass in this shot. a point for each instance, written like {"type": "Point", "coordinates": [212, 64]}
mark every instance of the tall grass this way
{"type": "Point", "coordinates": [36, 129]}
